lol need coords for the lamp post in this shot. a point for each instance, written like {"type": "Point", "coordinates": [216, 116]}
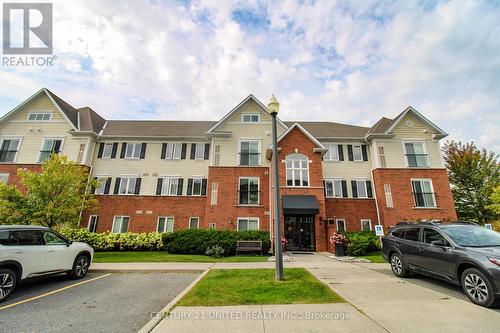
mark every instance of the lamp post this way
{"type": "Point", "coordinates": [273, 108]}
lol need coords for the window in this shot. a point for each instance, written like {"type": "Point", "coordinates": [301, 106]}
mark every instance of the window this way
{"type": "Point", "coordinates": [93, 219]}
{"type": "Point", "coordinates": [107, 150]}
{"type": "Point", "coordinates": [423, 193]}
{"type": "Point", "coordinates": [411, 234]}
{"type": "Point", "coordinates": [40, 116]}
{"type": "Point", "coordinates": [250, 117]}
{"type": "Point", "coordinates": [194, 222]}
{"type": "Point", "coordinates": [366, 225]}
{"type": "Point", "coordinates": [381, 156]}
{"type": "Point", "coordinates": [49, 146]}
{"type": "Point", "coordinates": [358, 154]}
{"type": "Point", "coordinates": [81, 150]}
{"type": "Point", "coordinates": [52, 238]}
{"type": "Point", "coordinates": [250, 152]}
{"type": "Point", "coordinates": [399, 233]}
{"type": "Point", "coordinates": [199, 151]}
{"type": "Point", "coordinates": [26, 238]}
{"type": "Point", "coordinates": [429, 235]}
{"type": "Point", "coordinates": [169, 186]}
{"type": "Point", "coordinates": [9, 149]}
{"type": "Point", "coordinates": [248, 192]}
{"type": "Point", "coordinates": [120, 224]}
{"type": "Point", "coordinates": [332, 154]}
{"type": "Point", "coordinates": [216, 155]}
{"type": "Point", "coordinates": [360, 189]}
{"type": "Point", "coordinates": [388, 196]}
{"type": "Point", "coordinates": [297, 170]}
{"type": "Point", "coordinates": [212, 226]}
{"type": "Point", "coordinates": [165, 224]}
{"type": "Point", "coordinates": [127, 185]}
{"type": "Point", "coordinates": [248, 224]}
{"type": "Point", "coordinates": [173, 151]}
{"type": "Point", "coordinates": [335, 188]}
{"type": "Point", "coordinates": [4, 238]}
{"type": "Point", "coordinates": [340, 225]}
{"type": "Point", "coordinates": [416, 154]}
{"type": "Point", "coordinates": [133, 150]}
{"type": "Point", "coordinates": [102, 185]}
{"type": "Point", "coordinates": [195, 186]}
{"type": "Point", "coordinates": [4, 178]}
{"type": "Point", "coordinates": [215, 189]}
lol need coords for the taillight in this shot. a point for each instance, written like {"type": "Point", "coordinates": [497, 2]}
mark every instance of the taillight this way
{"type": "Point", "coordinates": [495, 261]}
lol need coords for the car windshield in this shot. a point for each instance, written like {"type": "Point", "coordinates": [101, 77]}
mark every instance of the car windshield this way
{"type": "Point", "coordinates": [473, 236]}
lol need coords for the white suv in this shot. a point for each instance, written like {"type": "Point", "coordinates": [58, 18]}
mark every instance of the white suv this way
{"type": "Point", "coordinates": [28, 251]}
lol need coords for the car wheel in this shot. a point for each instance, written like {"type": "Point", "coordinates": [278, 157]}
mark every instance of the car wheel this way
{"type": "Point", "coordinates": [8, 281]}
{"type": "Point", "coordinates": [398, 266]}
{"type": "Point", "coordinates": [80, 267]}
{"type": "Point", "coordinates": [478, 287]}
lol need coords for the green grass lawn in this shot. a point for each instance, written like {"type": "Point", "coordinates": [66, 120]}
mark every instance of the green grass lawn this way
{"type": "Point", "coordinates": [258, 286]}
{"type": "Point", "coordinates": [163, 256]}
{"type": "Point", "coordinates": [375, 257]}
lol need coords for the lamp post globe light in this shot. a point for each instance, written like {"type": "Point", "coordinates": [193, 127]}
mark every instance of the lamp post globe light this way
{"type": "Point", "coordinates": [273, 108]}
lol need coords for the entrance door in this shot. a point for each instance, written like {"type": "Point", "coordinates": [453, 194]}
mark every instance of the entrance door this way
{"type": "Point", "coordinates": [299, 233]}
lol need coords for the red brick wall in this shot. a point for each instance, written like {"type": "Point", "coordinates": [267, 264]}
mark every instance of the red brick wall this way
{"type": "Point", "coordinates": [11, 169]}
{"type": "Point", "coordinates": [402, 196]}
{"type": "Point", "coordinates": [181, 208]}
{"type": "Point", "coordinates": [226, 212]}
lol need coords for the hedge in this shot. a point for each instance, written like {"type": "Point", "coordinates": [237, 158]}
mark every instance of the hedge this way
{"type": "Point", "coordinates": [360, 243]}
{"type": "Point", "coordinates": [190, 241]}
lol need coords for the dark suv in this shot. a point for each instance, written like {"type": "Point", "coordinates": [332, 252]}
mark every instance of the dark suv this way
{"type": "Point", "coordinates": [461, 253]}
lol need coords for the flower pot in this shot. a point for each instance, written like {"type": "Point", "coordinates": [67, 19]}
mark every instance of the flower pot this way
{"type": "Point", "coordinates": [339, 250]}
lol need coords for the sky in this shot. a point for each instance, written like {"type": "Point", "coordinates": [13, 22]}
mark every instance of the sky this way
{"type": "Point", "coordinates": [343, 61]}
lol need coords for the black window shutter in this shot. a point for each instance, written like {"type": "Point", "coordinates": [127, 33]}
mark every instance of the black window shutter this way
{"type": "Point", "coordinates": [207, 151]}
{"type": "Point", "coordinates": [143, 150]}
{"type": "Point", "coordinates": [117, 185]}
{"type": "Point", "coordinates": [193, 150]}
{"type": "Point", "coordinates": [92, 188]}
{"type": "Point", "coordinates": [114, 150]}
{"type": "Point", "coordinates": [164, 150]}
{"type": "Point", "coordinates": [354, 189]}
{"type": "Point", "coordinates": [203, 187]}
{"type": "Point", "coordinates": [344, 189]}
{"type": "Point", "coordinates": [101, 149]}
{"type": "Point", "coordinates": [183, 151]}
{"type": "Point", "coordinates": [124, 149]}
{"type": "Point", "coordinates": [137, 185]}
{"type": "Point", "coordinates": [179, 186]}
{"type": "Point", "coordinates": [349, 153]}
{"type": "Point", "coordinates": [159, 186]}
{"type": "Point", "coordinates": [57, 146]}
{"type": "Point", "coordinates": [190, 187]}
{"type": "Point", "coordinates": [369, 191]}
{"type": "Point", "coordinates": [324, 187]}
{"type": "Point", "coordinates": [365, 153]}
{"type": "Point", "coordinates": [107, 185]}
{"type": "Point", "coordinates": [341, 152]}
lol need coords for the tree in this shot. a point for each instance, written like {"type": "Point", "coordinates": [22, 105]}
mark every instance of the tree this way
{"type": "Point", "coordinates": [474, 174]}
{"type": "Point", "coordinates": [54, 196]}
{"type": "Point", "coordinates": [495, 200]}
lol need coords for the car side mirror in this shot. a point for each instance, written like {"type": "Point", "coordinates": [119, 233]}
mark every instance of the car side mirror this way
{"type": "Point", "coordinates": [438, 243]}
{"type": "Point", "coordinates": [69, 243]}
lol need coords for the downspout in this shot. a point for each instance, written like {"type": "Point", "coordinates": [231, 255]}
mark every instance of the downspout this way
{"type": "Point", "coordinates": [373, 182]}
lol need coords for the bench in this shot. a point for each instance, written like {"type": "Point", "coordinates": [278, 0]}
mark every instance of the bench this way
{"type": "Point", "coordinates": [248, 246]}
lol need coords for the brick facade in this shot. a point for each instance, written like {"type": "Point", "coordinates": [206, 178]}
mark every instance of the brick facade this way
{"type": "Point", "coordinates": [12, 169]}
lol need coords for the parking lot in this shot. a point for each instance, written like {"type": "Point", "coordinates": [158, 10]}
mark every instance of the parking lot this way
{"type": "Point", "coordinates": [117, 302]}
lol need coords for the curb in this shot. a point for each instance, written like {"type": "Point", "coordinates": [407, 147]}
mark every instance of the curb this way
{"type": "Point", "coordinates": [155, 321]}
{"type": "Point", "coordinates": [149, 270]}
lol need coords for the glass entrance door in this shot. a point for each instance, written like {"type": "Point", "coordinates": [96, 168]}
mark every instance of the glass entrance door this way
{"type": "Point", "coordinates": [299, 233]}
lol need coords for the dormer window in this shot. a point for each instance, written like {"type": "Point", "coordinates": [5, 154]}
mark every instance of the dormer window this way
{"type": "Point", "coordinates": [40, 116]}
{"type": "Point", "coordinates": [250, 118]}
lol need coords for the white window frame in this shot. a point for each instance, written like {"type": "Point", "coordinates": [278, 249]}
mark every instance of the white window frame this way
{"type": "Point", "coordinates": [199, 148]}
{"type": "Point", "coordinates": [174, 151]}
{"type": "Point", "coordinates": [214, 193]}
{"type": "Point", "coordinates": [197, 222]}
{"type": "Point", "coordinates": [328, 156]}
{"type": "Point", "coordinates": [166, 185]}
{"type": "Point", "coordinates": [102, 179]}
{"type": "Point", "coordinates": [134, 150]}
{"type": "Point", "coordinates": [432, 191]}
{"type": "Point", "coordinates": [20, 138]}
{"type": "Point", "coordinates": [95, 224]}
{"type": "Point", "coordinates": [4, 176]}
{"type": "Point", "coordinates": [381, 156]}
{"type": "Point", "coordinates": [243, 115]}
{"type": "Point", "coordinates": [259, 144]}
{"type": "Point", "coordinates": [128, 178]}
{"type": "Point", "coordinates": [106, 144]}
{"type": "Point", "coordinates": [358, 180]}
{"type": "Point", "coordinates": [388, 196]}
{"type": "Point", "coordinates": [248, 219]}
{"type": "Point", "coordinates": [55, 138]}
{"type": "Point", "coordinates": [258, 191]}
{"type": "Point", "coordinates": [300, 169]}
{"type": "Point", "coordinates": [369, 223]}
{"type": "Point", "coordinates": [424, 148]}
{"type": "Point", "coordinates": [337, 225]}
{"type": "Point", "coordinates": [39, 113]}
{"type": "Point", "coordinates": [120, 217]}
{"type": "Point", "coordinates": [212, 226]}
{"type": "Point", "coordinates": [360, 159]}
{"type": "Point", "coordinates": [334, 188]}
{"type": "Point", "coordinates": [197, 179]}
{"type": "Point", "coordinates": [165, 224]}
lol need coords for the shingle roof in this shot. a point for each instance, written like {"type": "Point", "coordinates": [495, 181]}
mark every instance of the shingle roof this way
{"type": "Point", "coordinates": [90, 120]}
{"type": "Point", "coordinates": [325, 129]}
{"type": "Point", "coordinates": [152, 128]}
{"type": "Point", "coordinates": [381, 126]}
{"type": "Point", "coordinates": [70, 112]}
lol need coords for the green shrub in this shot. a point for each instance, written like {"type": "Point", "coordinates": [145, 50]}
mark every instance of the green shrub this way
{"type": "Point", "coordinates": [215, 251]}
{"type": "Point", "coordinates": [360, 243]}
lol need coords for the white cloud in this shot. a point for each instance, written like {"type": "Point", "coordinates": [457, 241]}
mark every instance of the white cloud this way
{"type": "Point", "coordinates": [338, 61]}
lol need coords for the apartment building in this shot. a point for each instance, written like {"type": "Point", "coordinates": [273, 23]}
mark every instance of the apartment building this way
{"type": "Point", "coordinates": [170, 175]}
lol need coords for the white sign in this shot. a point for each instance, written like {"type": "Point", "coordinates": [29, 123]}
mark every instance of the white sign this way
{"type": "Point", "coordinates": [488, 226]}
{"type": "Point", "coordinates": [379, 230]}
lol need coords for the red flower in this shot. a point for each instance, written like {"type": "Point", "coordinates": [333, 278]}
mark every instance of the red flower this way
{"type": "Point", "coordinates": [338, 239]}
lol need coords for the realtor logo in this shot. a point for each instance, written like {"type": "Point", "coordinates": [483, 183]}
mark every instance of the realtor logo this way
{"type": "Point", "coordinates": [27, 28]}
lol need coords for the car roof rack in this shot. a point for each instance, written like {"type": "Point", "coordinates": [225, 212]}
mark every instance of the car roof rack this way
{"type": "Point", "coordinates": [434, 223]}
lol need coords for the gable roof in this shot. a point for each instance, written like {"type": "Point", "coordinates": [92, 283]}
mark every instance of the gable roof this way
{"type": "Point", "coordinates": [89, 120]}
{"type": "Point", "coordinates": [305, 132]}
{"type": "Point", "coordinates": [70, 112]}
{"type": "Point", "coordinates": [326, 129]}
